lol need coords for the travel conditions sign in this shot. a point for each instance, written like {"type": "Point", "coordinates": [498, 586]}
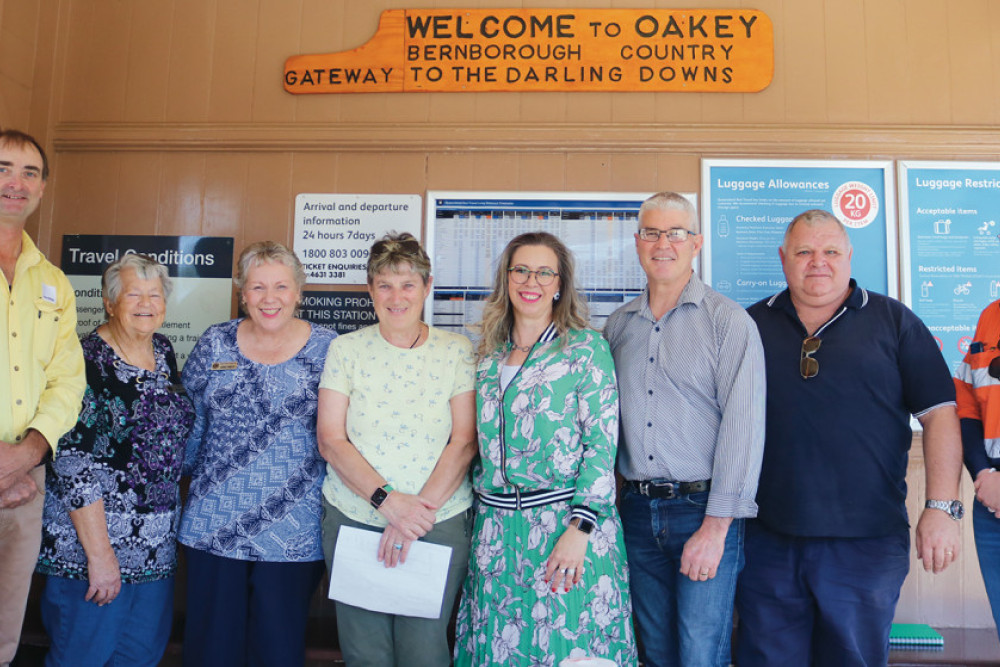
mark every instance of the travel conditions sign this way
{"type": "Point", "coordinates": [478, 50]}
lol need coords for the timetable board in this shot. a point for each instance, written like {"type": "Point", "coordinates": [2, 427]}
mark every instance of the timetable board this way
{"type": "Point", "coordinates": [467, 232]}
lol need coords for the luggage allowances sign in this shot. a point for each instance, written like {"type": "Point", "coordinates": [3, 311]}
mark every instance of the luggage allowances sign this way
{"type": "Point", "coordinates": [522, 50]}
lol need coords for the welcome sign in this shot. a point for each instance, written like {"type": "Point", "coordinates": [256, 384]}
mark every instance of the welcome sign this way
{"type": "Point", "coordinates": [478, 50]}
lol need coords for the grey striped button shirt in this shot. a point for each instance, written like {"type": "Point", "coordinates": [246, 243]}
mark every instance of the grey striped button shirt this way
{"type": "Point", "coordinates": [692, 391]}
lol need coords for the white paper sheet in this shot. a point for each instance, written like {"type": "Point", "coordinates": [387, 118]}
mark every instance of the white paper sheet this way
{"type": "Point", "coordinates": [414, 588]}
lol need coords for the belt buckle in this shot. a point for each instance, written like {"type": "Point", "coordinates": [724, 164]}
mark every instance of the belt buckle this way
{"type": "Point", "coordinates": [670, 488]}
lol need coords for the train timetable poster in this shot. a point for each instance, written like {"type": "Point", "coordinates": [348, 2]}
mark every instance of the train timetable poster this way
{"type": "Point", "coordinates": [467, 232]}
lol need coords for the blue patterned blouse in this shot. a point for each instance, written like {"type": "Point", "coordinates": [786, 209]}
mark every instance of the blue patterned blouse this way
{"type": "Point", "coordinates": [126, 448]}
{"type": "Point", "coordinates": [254, 463]}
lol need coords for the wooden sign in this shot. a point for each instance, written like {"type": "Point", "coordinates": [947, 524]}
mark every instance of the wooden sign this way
{"type": "Point", "coordinates": [477, 50]}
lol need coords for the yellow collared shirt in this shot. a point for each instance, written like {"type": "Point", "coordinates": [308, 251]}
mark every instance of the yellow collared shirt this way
{"type": "Point", "coordinates": [41, 363]}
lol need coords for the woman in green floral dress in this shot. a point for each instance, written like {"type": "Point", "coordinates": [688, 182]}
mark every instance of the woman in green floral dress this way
{"type": "Point", "coordinates": [547, 576]}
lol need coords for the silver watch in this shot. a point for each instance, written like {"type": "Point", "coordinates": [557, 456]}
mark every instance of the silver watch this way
{"type": "Point", "coordinates": [952, 508]}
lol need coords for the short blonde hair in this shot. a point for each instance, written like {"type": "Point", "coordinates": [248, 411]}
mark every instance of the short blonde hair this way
{"type": "Point", "coordinates": [268, 252]}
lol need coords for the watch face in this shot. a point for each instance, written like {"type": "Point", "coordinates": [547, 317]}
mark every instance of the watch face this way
{"type": "Point", "coordinates": [379, 497]}
{"type": "Point", "coordinates": [956, 509]}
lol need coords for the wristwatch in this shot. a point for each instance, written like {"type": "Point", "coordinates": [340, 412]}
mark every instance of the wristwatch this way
{"type": "Point", "coordinates": [952, 508]}
{"type": "Point", "coordinates": [380, 494]}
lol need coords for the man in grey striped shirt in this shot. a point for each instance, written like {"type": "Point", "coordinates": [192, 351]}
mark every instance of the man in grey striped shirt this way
{"type": "Point", "coordinates": [691, 379]}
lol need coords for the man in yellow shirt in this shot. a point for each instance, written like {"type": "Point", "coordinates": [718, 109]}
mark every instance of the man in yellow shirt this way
{"type": "Point", "coordinates": [41, 375]}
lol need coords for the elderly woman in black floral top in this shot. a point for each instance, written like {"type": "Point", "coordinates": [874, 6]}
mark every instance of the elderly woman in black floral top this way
{"type": "Point", "coordinates": [111, 504]}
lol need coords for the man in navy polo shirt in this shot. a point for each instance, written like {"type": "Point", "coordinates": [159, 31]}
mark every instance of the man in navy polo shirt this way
{"type": "Point", "coordinates": [828, 553]}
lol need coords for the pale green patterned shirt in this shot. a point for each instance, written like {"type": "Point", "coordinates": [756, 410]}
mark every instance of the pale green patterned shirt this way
{"type": "Point", "coordinates": [399, 416]}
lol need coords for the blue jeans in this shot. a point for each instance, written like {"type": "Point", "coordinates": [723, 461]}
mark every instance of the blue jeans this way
{"type": "Point", "coordinates": [821, 601]}
{"type": "Point", "coordinates": [133, 630]}
{"type": "Point", "coordinates": [680, 622]}
{"type": "Point", "coordinates": [987, 533]}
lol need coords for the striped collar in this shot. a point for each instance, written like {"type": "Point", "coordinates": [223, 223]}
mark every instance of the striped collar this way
{"type": "Point", "coordinates": [856, 300]}
{"type": "Point", "coordinates": [550, 334]}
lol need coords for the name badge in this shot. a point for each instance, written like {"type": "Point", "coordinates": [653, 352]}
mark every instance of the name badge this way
{"type": "Point", "coordinates": [224, 366]}
{"type": "Point", "coordinates": [49, 293]}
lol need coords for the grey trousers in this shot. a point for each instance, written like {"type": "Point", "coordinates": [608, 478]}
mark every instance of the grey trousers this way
{"type": "Point", "coordinates": [371, 639]}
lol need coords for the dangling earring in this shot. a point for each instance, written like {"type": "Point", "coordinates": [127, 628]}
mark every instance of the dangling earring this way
{"type": "Point", "coordinates": [557, 295]}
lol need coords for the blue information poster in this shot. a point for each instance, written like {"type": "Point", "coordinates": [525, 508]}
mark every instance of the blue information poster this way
{"type": "Point", "coordinates": [950, 218]}
{"type": "Point", "coordinates": [749, 203]}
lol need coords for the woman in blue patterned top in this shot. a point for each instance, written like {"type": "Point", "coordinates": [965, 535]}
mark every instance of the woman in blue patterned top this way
{"type": "Point", "coordinates": [112, 492]}
{"type": "Point", "coordinates": [251, 525]}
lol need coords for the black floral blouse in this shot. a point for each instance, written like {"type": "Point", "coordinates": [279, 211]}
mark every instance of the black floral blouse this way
{"type": "Point", "coordinates": [127, 449]}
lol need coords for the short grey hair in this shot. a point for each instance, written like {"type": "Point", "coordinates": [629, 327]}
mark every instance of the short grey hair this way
{"type": "Point", "coordinates": [671, 201]}
{"type": "Point", "coordinates": [811, 218]}
{"type": "Point", "coordinates": [393, 252]}
{"type": "Point", "coordinates": [268, 252]}
{"type": "Point", "coordinates": [145, 267]}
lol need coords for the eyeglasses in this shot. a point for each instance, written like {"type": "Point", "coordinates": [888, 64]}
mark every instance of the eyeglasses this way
{"type": "Point", "coordinates": [809, 367]}
{"type": "Point", "coordinates": [520, 274]}
{"type": "Point", "coordinates": [674, 235]}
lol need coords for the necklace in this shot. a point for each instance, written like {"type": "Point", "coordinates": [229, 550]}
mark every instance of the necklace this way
{"type": "Point", "coordinates": [118, 347]}
{"type": "Point", "coordinates": [523, 348]}
{"type": "Point", "coordinates": [420, 332]}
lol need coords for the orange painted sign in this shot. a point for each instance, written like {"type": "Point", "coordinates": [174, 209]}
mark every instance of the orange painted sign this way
{"type": "Point", "coordinates": [477, 50]}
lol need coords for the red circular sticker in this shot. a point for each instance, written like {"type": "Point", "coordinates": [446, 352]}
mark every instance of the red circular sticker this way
{"type": "Point", "coordinates": [963, 344]}
{"type": "Point", "coordinates": [855, 204]}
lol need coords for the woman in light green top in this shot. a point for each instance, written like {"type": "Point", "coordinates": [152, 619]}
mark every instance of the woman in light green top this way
{"type": "Point", "coordinates": [396, 426]}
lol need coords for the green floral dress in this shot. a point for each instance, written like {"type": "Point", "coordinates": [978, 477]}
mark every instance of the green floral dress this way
{"type": "Point", "coordinates": [555, 427]}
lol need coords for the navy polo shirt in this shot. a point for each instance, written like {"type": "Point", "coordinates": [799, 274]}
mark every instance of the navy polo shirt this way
{"type": "Point", "coordinates": [836, 444]}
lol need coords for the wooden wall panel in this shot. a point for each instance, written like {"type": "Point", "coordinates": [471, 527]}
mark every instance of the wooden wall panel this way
{"type": "Point", "coordinates": [501, 169]}
{"type": "Point", "coordinates": [225, 193]}
{"type": "Point", "coordinates": [233, 60]}
{"type": "Point", "coordinates": [888, 71]}
{"type": "Point", "coordinates": [278, 39]}
{"type": "Point", "coordinates": [805, 64]}
{"type": "Point", "coordinates": [148, 62]}
{"type": "Point", "coordinates": [971, 38]}
{"type": "Point", "coordinates": [138, 194]}
{"type": "Point", "coordinates": [927, 64]}
{"type": "Point", "coordinates": [18, 35]}
{"type": "Point", "coordinates": [589, 171]}
{"type": "Point", "coordinates": [190, 72]}
{"type": "Point", "coordinates": [544, 171]}
{"type": "Point", "coordinates": [846, 66]}
{"type": "Point", "coordinates": [181, 194]}
{"type": "Point", "coordinates": [269, 200]}
{"type": "Point", "coordinates": [406, 174]}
